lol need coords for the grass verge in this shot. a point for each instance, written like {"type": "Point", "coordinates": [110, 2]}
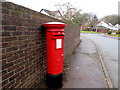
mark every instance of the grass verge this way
{"type": "Point", "coordinates": [114, 35]}
{"type": "Point", "coordinates": [88, 32]}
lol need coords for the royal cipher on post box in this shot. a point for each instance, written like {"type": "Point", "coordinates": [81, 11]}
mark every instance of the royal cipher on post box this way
{"type": "Point", "coordinates": [55, 53]}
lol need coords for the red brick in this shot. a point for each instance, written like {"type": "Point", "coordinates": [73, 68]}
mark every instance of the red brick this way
{"type": "Point", "coordinates": [13, 58]}
{"type": "Point", "coordinates": [26, 33]}
{"type": "Point", "coordinates": [12, 49]}
{"type": "Point", "coordinates": [8, 44]}
{"type": "Point", "coordinates": [27, 57]}
{"type": "Point", "coordinates": [3, 62]}
{"type": "Point", "coordinates": [0, 62]}
{"type": "Point", "coordinates": [5, 22]}
{"type": "Point", "coordinates": [6, 55]}
{"type": "Point", "coordinates": [3, 39]}
{"type": "Point", "coordinates": [9, 74]}
{"type": "Point", "coordinates": [22, 54]}
{"type": "Point", "coordinates": [22, 37]}
{"type": "Point", "coordinates": [18, 52]}
{"type": "Point", "coordinates": [13, 77]}
{"type": "Point", "coordinates": [17, 33]}
{"type": "Point", "coordinates": [13, 67]}
{"type": "Point", "coordinates": [4, 82]}
{"type": "Point", "coordinates": [5, 11]}
{"type": "Point", "coordinates": [6, 34]}
{"type": "Point", "coordinates": [15, 84]}
{"type": "Point", "coordinates": [16, 23]}
{"type": "Point", "coordinates": [16, 7]}
{"type": "Point", "coordinates": [0, 47]}
{"type": "Point", "coordinates": [18, 43]}
{"type": "Point", "coordinates": [23, 46]}
{"type": "Point", "coordinates": [9, 28]}
{"type": "Point", "coordinates": [20, 28]}
{"type": "Point", "coordinates": [27, 50]}
{"type": "Point", "coordinates": [19, 60]}
{"type": "Point", "coordinates": [7, 65]}
{"type": "Point", "coordinates": [0, 56]}
{"type": "Point", "coordinates": [9, 39]}
{"type": "Point", "coordinates": [15, 13]}
{"type": "Point", "coordinates": [19, 69]}
{"type": "Point", "coordinates": [7, 5]}
{"type": "Point", "coordinates": [18, 86]}
{"type": "Point", "coordinates": [3, 51]}
{"type": "Point", "coordinates": [23, 63]}
{"type": "Point", "coordinates": [4, 72]}
{"type": "Point", "coordinates": [9, 85]}
{"type": "Point", "coordinates": [6, 16]}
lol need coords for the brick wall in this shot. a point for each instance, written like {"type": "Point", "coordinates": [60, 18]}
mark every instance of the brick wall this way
{"type": "Point", "coordinates": [24, 46]}
{"type": "Point", "coordinates": [102, 30]}
{"type": "Point", "coordinates": [72, 38]}
{"type": "Point", "coordinates": [0, 46]}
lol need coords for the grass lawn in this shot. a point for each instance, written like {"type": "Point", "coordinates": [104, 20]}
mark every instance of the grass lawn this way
{"type": "Point", "coordinates": [88, 32]}
{"type": "Point", "coordinates": [114, 35]}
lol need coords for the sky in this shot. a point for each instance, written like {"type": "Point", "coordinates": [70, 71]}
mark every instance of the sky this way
{"type": "Point", "coordinates": [99, 7]}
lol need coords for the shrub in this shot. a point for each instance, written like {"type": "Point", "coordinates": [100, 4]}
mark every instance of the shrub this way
{"type": "Point", "coordinates": [118, 32]}
{"type": "Point", "coordinates": [109, 32]}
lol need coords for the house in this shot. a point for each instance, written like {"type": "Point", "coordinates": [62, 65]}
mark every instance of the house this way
{"type": "Point", "coordinates": [84, 25]}
{"type": "Point", "coordinates": [107, 25]}
{"type": "Point", "coordinates": [102, 27]}
{"type": "Point", "coordinates": [55, 14]}
{"type": "Point", "coordinates": [103, 24]}
{"type": "Point", "coordinates": [117, 26]}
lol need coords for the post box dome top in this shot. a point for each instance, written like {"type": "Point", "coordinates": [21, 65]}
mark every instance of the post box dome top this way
{"type": "Point", "coordinates": [54, 24]}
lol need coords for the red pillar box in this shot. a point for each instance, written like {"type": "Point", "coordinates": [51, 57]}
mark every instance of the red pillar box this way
{"type": "Point", "coordinates": [55, 53]}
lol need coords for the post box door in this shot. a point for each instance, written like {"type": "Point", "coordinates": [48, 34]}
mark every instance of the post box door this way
{"type": "Point", "coordinates": [55, 53]}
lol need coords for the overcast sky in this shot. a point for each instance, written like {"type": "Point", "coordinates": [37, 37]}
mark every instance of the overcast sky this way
{"type": "Point", "coordinates": [99, 7]}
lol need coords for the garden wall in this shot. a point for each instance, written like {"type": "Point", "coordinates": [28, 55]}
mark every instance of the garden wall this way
{"type": "Point", "coordinates": [102, 30]}
{"type": "Point", "coordinates": [23, 44]}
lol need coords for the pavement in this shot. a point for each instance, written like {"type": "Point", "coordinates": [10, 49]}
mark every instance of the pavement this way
{"type": "Point", "coordinates": [108, 48]}
{"type": "Point", "coordinates": [84, 69]}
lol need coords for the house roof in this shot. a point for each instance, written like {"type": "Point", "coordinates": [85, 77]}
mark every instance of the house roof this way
{"type": "Point", "coordinates": [107, 25]}
{"type": "Point", "coordinates": [51, 13]}
{"type": "Point", "coordinates": [117, 26]}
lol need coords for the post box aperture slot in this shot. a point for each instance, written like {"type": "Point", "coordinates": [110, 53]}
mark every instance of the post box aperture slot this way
{"type": "Point", "coordinates": [58, 35]}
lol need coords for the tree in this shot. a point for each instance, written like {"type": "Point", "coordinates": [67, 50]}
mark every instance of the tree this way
{"type": "Point", "coordinates": [113, 19]}
{"type": "Point", "coordinates": [67, 10]}
{"type": "Point", "coordinates": [72, 14]}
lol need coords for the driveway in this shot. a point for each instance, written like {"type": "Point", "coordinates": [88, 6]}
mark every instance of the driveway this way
{"type": "Point", "coordinates": [109, 50]}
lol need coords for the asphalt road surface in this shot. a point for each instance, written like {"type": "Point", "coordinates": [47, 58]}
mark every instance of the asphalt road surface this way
{"type": "Point", "coordinates": [109, 50]}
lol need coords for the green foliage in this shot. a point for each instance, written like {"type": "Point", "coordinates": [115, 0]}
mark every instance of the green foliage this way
{"type": "Point", "coordinates": [113, 19]}
{"type": "Point", "coordinates": [118, 32]}
{"type": "Point", "coordinates": [115, 35]}
{"type": "Point", "coordinates": [68, 21]}
{"type": "Point", "coordinates": [91, 25]}
{"type": "Point", "coordinates": [109, 32]}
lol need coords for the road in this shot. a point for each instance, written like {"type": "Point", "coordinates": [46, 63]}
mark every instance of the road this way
{"type": "Point", "coordinates": [108, 48]}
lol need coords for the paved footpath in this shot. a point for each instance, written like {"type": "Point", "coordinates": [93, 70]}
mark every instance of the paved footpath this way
{"type": "Point", "coordinates": [84, 69]}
